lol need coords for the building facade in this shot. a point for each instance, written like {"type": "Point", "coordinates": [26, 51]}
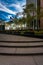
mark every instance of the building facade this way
{"type": "Point", "coordinates": [39, 21]}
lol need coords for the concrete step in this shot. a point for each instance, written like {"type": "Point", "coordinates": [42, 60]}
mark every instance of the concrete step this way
{"type": "Point", "coordinates": [14, 45]}
{"type": "Point", "coordinates": [15, 48]}
{"type": "Point", "coordinates": [6, 37]}
{"type": "Point", "coordinates": [21, 50]}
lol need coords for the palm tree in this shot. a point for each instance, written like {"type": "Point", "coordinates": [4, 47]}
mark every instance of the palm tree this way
{"type": "Point", "coordinates": [37, 14]}
{"type": "Point", "coordinates": [30, 11]}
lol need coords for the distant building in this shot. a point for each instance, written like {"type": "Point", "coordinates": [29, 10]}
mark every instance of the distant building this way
{"type": "Point", "coordinates": [13, 26]}
{"type": "Point", "coordinates": [38, 24]}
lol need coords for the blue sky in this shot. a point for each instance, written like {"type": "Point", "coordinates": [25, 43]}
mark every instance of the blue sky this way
{"type": "Point", "coordinates": [9, 8]}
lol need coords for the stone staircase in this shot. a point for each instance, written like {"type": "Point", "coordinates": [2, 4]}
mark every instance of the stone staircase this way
{"type": "Point", "coordinates": [21, 47]}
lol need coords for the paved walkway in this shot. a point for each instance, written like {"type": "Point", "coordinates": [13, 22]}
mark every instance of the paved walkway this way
{"type": "Point", "coordinates": [21, 60]}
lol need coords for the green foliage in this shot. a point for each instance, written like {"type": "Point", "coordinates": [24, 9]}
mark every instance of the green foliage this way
{"type": "Point", "coordinates": [38, 32]}
{"type": "Point", "coordinates": [30, 8]}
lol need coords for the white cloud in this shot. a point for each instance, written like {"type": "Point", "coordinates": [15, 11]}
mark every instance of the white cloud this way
{"type": "Point", "coordinates": [17, 6]}
{"type": "Point", "coordinates": [5, 9]}
{"type": "Point", "coordinates": [20, 16]}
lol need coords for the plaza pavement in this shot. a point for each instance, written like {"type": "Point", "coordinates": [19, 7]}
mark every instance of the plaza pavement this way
{"type": "Point", "coordinates": [21, 60]}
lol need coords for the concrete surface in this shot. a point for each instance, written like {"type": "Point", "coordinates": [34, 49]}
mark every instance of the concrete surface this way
{"type": "Point", "coordinates": [21, 44]}
{"type": "Point", "coordinates": [5, 37]}
{"type": "Point", "coordinates": [21, 50]}
{"type": "Point", "coordinates": [21, 60]}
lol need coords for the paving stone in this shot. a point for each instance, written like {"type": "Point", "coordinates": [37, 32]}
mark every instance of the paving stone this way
{"type": "Point", "coordinates": [16, 60]}
{"type": "Point", "coordinates": [38, 59]}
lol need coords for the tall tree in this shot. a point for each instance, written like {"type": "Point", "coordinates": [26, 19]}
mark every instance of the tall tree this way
{"type": "Point", "coordinates": [30, 11]}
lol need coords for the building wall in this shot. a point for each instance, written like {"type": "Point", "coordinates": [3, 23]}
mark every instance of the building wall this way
{"type": "Point", "coordinates": [41, 20]}
{"type": "Point", "coordinates": [40, 3]}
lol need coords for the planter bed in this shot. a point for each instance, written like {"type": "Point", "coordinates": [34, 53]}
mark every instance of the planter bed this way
{"type": "Point", "coordinates": [27, 33]}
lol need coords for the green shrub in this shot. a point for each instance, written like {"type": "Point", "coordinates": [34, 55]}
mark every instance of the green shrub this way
{"type": "Point", "coordinates": [38, 32]}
